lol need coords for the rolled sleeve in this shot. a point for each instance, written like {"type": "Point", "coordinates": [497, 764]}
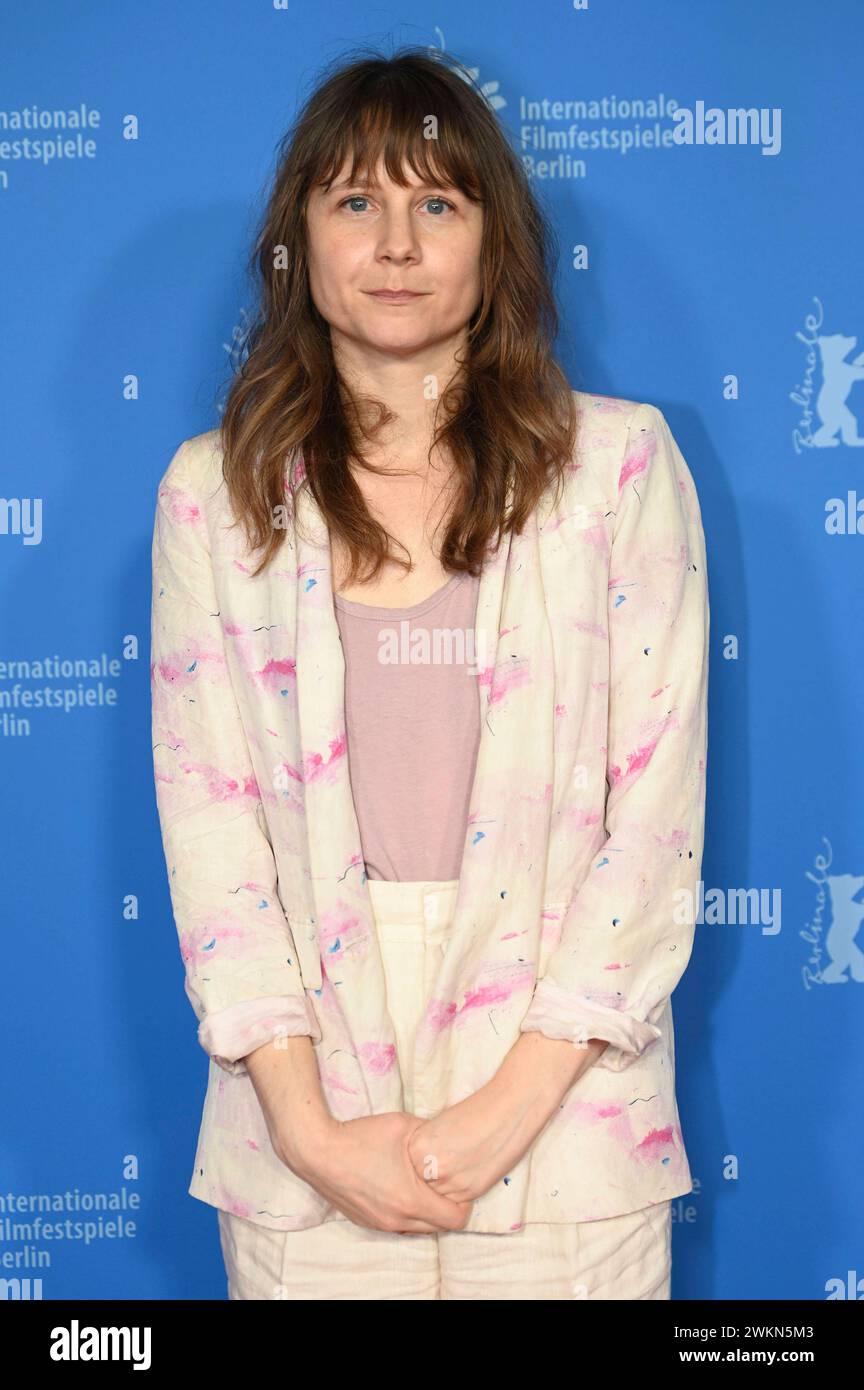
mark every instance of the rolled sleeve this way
{"type": "Point", "coordinates": [231, 1034]}
{"type": "Point", "coordinates": [628, 933]}
{"type": "Point", "coordinates": [235, 941]}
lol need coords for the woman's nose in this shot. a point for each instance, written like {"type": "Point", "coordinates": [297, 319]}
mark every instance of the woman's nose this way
{"type": "Point", "coordinates": [398, 235]}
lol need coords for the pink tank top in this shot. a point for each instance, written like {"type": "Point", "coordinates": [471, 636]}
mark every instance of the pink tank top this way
{"type": "Point", "coordinates": [412, 710]}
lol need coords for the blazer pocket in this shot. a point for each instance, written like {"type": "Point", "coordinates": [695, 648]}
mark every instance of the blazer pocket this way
{"type": "Point", "coordinates": [305, 932]}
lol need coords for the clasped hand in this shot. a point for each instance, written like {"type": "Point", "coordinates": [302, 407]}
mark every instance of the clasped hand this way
{"type": "Point", "coordinates": [469, 1147]}
{"type": "Point", "coordinates": [399, 1172]}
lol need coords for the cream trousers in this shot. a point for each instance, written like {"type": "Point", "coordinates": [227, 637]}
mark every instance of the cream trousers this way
{"type": "Point", "coordinates": [623, 1257]}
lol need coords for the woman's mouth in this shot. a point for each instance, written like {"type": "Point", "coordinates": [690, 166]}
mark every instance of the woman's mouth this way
{"type": "Point", "coordinates": [395, 296]}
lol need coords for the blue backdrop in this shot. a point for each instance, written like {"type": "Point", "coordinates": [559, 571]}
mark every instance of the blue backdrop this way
{"type": "Point", "coordinates": [718, 278]}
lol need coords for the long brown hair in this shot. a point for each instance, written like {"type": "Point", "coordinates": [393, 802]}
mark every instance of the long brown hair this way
{"type": "Point", "coordinates": [508, 413]}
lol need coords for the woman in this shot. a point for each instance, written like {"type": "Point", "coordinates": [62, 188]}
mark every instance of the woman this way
{"type": "Point", "coordinates": [429, 740]}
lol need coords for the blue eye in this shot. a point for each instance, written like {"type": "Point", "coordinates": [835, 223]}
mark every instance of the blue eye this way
{"type": "Point", "coordinates": [445, 201]}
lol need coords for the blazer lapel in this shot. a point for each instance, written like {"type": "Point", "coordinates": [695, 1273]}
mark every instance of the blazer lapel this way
{"type": "Point", "coordinates": [361, 1073]}
{"type": "Point", "coordinates": [488, 967]}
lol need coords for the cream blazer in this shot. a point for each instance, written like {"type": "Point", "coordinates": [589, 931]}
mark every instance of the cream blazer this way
{"type": "Point", "coordinates": [581, 866]}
